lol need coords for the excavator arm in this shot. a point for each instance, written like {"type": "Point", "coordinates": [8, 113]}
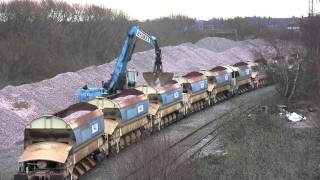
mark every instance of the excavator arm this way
{"type": "Point", "coordinates": [118, 80]}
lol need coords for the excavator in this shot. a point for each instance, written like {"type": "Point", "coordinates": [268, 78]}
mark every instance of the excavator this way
{"type": "Point", "coordinates": [123, 78]}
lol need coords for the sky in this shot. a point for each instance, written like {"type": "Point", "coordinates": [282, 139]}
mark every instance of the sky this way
{"type": "Point", "coordinates": [204, 9]}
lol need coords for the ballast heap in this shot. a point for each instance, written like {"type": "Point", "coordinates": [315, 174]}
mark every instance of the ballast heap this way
{"type": "Point", "coordinates": [69, 143]}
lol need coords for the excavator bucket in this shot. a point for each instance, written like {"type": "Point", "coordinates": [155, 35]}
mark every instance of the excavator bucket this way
{"type": "Point", "coordinates": [152, 78]}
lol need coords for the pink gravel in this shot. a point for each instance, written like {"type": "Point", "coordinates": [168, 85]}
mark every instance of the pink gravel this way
{"type": "Point", "coordinates": [52, 95]}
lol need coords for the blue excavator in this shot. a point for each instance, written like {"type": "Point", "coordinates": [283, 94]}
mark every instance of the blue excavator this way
{"type": "Point", "coordinates": [123, 78]}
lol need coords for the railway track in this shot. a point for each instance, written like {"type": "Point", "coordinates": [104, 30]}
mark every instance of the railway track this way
{"type": "Point", "coordinates": [191, 144]}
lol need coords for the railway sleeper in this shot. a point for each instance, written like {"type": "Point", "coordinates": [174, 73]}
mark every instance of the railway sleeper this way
{"type": "Point", "coordinates": [243, 89]}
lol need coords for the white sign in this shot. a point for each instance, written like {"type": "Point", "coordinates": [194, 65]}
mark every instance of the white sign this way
{"type": "Point", "coordinates": [202, 85]}
{"type": "Point", "coordinates": [143, 36]}
{"type": "Point", "coordinates": [94, 128]}
{"type": "Point", "coordinates": [226, 77]}
{"type": "Point", "coordinates": [247, 71]}
{"type": "Point", "coordinates": [140, 108]}
{"type": "Point", "coordinates": [176, 95]}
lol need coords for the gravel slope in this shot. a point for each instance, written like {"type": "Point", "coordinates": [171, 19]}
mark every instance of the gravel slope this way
{"type": "Point", "coordinates": [20, 104]}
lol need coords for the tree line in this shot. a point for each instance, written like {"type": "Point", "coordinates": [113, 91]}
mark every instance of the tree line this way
{"type": "Point", "coordinates": [39, 39]}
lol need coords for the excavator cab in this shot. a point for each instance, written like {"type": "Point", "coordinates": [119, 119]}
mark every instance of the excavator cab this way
{"type": "Point", "coordinates": [132, 75]}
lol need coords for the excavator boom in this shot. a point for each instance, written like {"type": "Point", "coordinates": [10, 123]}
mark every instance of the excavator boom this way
{"type": "Point", "coordinates": [119, 79]}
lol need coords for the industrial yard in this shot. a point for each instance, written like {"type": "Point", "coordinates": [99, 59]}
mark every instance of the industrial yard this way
{"type": "Point", "coordinates": [108, 91]}
{"type": "Point", "coordinates": [22, 103]}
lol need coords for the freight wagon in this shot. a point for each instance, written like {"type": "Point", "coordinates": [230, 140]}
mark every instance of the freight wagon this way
{"type": "Point", "coordinates": [262, 68]}
{"type": "Point", "coordinates": [62, 145]}
{"type": "Point", "coordinates": [220, 83]}
{"type": "Point", "coordinates": [69, 143]}
{"type": "Point", "coordinates": [195, 96]}
{"type": "Point", "coordinates": [125, 116]}
{"type": "Point", "coordinates": [165, 103]}
{"type": "Point", "coordinates": [243, 77]}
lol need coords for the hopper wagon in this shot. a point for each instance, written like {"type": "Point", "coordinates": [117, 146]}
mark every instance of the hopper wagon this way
{"type": "Point", "coordinates": [125, 117]}
{"type": "Point", "coordinates": [221, 81]}
{"type": "Point", "coordinates": [165, 103]}
{"type": "Point", "coordinates": [262, 67]}
{"type": "Point", "coordinates": [195, 85]}
{"type": "Point", "coordinates": [243, 77]}
{"type": "Point", "coordinates": [64, 145]}
{"type": "Point", "coordinates": [256, 75]}
{"type": "Point", "coordinates": [69, 143]}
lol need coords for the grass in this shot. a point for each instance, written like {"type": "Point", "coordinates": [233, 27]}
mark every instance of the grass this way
{"type": "Point", "coordinates": [260, 146]}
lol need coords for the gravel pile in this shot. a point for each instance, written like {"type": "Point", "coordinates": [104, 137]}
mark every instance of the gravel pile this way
{"type": "Point", "coordinates": [217, 44]}
{"type": "Point", "coordinates": [20, 104]}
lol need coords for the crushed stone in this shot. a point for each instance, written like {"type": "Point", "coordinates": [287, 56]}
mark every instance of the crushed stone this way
{"type": "Point", "coordinates": [55, 94]}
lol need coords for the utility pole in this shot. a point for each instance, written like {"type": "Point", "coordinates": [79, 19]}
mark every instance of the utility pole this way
{"type": "Point", "coordinates": [311, 7]}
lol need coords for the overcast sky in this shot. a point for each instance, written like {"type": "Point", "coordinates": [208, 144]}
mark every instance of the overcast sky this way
{"type": "Point", "coordinates": [204, 9]}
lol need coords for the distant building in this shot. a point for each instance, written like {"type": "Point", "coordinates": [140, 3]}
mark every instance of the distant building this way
{"type": "Point", "coordinates": [200, 24]}
{"type": "Point", "coordinates": [294, 28]}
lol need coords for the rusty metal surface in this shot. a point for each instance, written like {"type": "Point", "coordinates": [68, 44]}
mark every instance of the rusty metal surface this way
{"type": "Point", "coordinates": [127, 92]}
{"type": "Point", "coordinates": [74, 108]}
{"type": "Point", "coordinates": [51, 151]}
{"type": "Point", "coordinates": [125, 101]}
{"type": "Point", "coordinates": [133, 125]}
{"type": "Point", "coordinates": [153, 108]}
{"type": "Point", "coordinates": [194, 77]}
{"type": "Point", "coordinates": [86, 150]}
{"type": "Point", "coordinates": [239, 64]}
{"type": "Point", "coordinates": [171, 108]}
{"type": "Point", "coordinates": [110, 126]}
{"type": "Point", "coordinates": [192, 74]}
{"type": "Point", "coordinates": [104, 103]}
{"type": "Point", "coordinates": [242, 65]}
{"type": "Point", "coordinates": [218, 68]}
{"type": "Point", "coordinates": [159, 89]}
{"type": "Point", "coordinates": [214, 73]}
{"type": "Point", "coordinates": [74, 123]}
{"type": "Point", "coordinates": [78, 120]}
{"type": "Point", "coordinates": [168, 87]}
{"type": "Point", "coordinates": [198, 97]}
